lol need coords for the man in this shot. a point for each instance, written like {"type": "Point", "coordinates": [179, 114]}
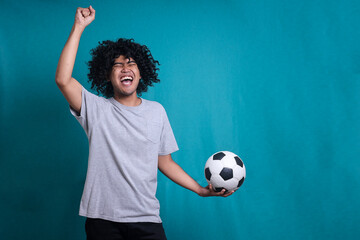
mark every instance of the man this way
{"type": "Point", "coordinates": [129, 137]}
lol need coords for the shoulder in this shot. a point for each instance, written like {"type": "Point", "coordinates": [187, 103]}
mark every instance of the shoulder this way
{"type": "Point", "coordinates": [153, 105]}
{"type": "Point", "coordinates": [93, 96]}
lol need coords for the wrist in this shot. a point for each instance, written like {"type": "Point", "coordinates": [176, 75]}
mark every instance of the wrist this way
{"type": "Point", "coordinates": [77, 29]}
{"type": "Point", "coordinates": [201, 191]}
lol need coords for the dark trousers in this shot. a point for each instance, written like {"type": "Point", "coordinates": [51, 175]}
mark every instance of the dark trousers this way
{"type": "Point", "coordinates": [100, 229]}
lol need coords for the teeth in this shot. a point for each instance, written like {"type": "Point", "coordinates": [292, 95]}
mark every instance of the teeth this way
{"type": "Point", "coordinates": [126, 78]}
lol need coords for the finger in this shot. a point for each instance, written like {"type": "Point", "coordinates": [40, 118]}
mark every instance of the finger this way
{"type": "Point", "coordinates": [92, 10]}
{"type": "Point", "coordinates": [228, 194]}
{"type": "Point", "coordinates": [214, 192]}
{"type": "Point", "coordinates": [85, 12]}
{"type": "Point", "coordinates": [78, 10]}
{"type": "Point", "coordinates": [222, 192]}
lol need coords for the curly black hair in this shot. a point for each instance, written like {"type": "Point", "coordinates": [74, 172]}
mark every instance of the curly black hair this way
{"type": "Point", "coordinates": [104, 55]}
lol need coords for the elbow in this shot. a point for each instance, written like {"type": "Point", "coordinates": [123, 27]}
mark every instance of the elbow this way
{"type": "Point", "coordinates": [57, 81]}
{"type": "Point", "coordinates": [62, 78]}
{"type": "Point", "coordinates": [60, 81]}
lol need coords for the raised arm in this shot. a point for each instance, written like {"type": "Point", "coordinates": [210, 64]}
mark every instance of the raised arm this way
{"type": "Point", "coordinates": [70, 88]}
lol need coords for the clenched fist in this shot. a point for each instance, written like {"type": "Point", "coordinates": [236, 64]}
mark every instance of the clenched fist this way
{"type": "Point", "coordinates": [84, 16]}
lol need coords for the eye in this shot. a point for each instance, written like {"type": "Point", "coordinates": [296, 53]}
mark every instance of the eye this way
{"type": "Point", "coordinates": [117, 65]}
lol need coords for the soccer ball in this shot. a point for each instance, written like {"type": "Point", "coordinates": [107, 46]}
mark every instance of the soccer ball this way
{"type": "Point", "coordinates": [225, 170]}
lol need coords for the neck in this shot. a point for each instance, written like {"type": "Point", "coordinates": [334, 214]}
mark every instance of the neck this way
{"type": "Point", "coordinates": [131, 101]}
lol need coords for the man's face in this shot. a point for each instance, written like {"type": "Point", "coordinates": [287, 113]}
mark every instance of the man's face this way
{"type": "Point", "coordinates": [125, 76]}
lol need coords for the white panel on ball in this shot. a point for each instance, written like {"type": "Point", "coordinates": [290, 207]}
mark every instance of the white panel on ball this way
{"type": "Point", "coordinates": [216, 166]}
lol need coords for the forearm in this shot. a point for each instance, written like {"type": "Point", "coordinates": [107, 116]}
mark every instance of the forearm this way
{"type": "Point", "coordinates": [67, 58]}
{"type": "Point", "coordinates": [173, 171]}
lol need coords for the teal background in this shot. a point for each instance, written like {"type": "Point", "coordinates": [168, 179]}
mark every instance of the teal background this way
{"type": "Point", "coordinates": [276, 82]}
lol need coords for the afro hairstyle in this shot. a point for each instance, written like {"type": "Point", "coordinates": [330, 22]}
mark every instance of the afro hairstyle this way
{"type": "Point", "coordinates": [104, 55]}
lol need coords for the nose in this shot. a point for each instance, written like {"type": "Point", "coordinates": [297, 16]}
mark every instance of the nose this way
{"type": "Point", "coordinates": [125, 68]}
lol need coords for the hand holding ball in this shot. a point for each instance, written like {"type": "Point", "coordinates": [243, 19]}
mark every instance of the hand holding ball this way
{"type": "Point", "coordinates": [225, 170]}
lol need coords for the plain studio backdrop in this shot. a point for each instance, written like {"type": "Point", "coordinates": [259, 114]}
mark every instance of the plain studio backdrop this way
{"type": "Point", "coordinates": [276, 82]}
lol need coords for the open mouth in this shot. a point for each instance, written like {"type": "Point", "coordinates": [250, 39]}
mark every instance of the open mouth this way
{"type": "Point", "coordinates": [126, 80]}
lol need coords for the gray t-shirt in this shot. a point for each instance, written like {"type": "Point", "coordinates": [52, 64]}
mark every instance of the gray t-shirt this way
{"type": "Point", "coordinates": [124, 145]}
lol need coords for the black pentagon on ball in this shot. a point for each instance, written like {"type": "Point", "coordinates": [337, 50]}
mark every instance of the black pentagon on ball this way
{"type": "Point", "coordinates": [226, 173]}
{"type": "Point", "coordinates": [207, 173]}
{"type": "Point", "coordinates": [238, 161]}
{"type": "Point", "coordinates": [241, 182]}
{"type": "Point", "coordinates": [218, 156]}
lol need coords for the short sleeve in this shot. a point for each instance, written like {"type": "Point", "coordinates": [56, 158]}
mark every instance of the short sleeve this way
{"type": "Point", "coordinates": [90, 112]}
{"type": "Point", "coordinates": [168, 143]}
